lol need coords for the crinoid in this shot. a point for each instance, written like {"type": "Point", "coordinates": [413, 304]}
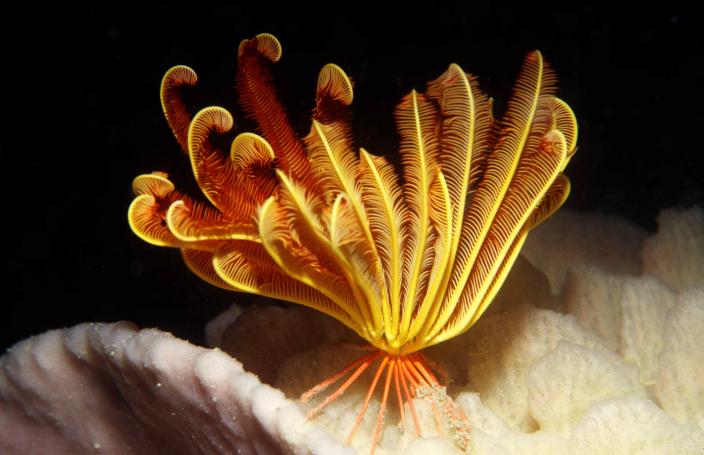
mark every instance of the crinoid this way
{"type": "Point", "coordinates": [406, 261]}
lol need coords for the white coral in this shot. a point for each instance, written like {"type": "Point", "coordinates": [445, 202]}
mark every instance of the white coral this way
{"type": "Point", "coordinates": [680, 379]}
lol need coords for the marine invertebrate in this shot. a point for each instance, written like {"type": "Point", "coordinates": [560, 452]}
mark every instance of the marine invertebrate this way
{"type": "Point", "coordinates": [405, 263]}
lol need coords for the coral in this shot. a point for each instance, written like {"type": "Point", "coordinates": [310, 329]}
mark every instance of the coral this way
{"type": "Point", "coordinates": [109, 388]}
{"type": "Point", "coordinates": [679, 386]}
{"type": "Point", "coordinates": [567, 381]}
{"type": "Point", "coordinates": [607, 242]}
{"type": "Point", "coordinates": [632, 425]}
{"type": "Point", "coordinates": [676, 253]}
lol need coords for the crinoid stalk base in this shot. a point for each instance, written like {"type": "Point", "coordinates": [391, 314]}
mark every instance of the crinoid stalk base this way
{"type": "Point", "coordinates": [412, 377]}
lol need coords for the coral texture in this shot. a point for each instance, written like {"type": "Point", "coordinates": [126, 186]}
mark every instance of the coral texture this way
{"type": "Point", "coordinates": [611, 362]}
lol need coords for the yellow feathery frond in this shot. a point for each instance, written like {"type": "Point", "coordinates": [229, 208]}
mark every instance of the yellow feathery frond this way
{"type": "Point", "coordinates": [333, 85]}
{"type": "Point", "coordinates": [156, 184]}
{"type": "Point", "coordinates": [172, 85]}
{"type": "Point", "coordinates": [197, 222]}
{"type": "Point", "coordinates": [418, 124]}
{"type": "Point", "coordinates": [441, 216]}
{"type": "Point", "coordinates": [385, 207]}
{"type": "Point", "coordinates": [464, 138]}
{"type": "Point", "coordinates": [555, 196]}
{"type": "Point", "coordinates": [254, 159]}
{"type": "Point", "coordinates": [296, 261]}
{"type": "Point", "coordinates": [200, 262]}
{"type": "Point", "coordinates": [305, 212]}
{"type": "Point", "coordinates": [528, 115]}
{"type": "Point", "coordinates": [253, 270]}
{"type": "Point", "coordinates": [212, 171]}
{"type": "Point", "coordinates": [533, 177]}
{"type": "Point", "coordinates": [427, 265]}
{"type": "Point", "coordinates": [336, 167]}
{"type": "Point", "coordinates": [143, 216]}
{"type": "Point", "coordinates": [232, 266]}
{"type": "Point", "coordinates": [553, 200]}
{"type": "Point", "coordinates": [348, 240]}
{"type": "Point", "coordinates": [249, 150]}
{"type": "Point", "coordinates": [333, 97]}
{"type": "Point", "coordinates": [334, 162]}
{"type": "Point", "coordinates": [499, 277]}
{"type": "Point", "coordinates": [259, 101]}
{"type": "Point", "coordinates": [343, 227]}
{"type": "Point", "coordinates": [563, 119]}
{"type": "Point", "coordinates": [266, 44]}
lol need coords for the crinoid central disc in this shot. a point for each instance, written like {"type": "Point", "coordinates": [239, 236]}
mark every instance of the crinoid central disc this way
{"type": "Point", "coordinates": [405, 376]}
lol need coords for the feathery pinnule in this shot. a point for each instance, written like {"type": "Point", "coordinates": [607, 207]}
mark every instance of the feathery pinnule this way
{"type": "Point", "coordinates": [175, 111]}
{"type": "Point", "coordinates": [383, 200]}
{"type": "Point", "coordinates": [405, 258]}
{"type": "Point", "coordinates": [464, 139]}
{"type": "Point", "coordinates": [258, 99]}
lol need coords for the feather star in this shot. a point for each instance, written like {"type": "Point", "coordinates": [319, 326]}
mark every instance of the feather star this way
{"type": "Point", "coordinates": [406, 261]}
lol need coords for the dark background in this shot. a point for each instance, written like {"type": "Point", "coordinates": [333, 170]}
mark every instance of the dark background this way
{"type": "Point", "coordinates": [81, 118]}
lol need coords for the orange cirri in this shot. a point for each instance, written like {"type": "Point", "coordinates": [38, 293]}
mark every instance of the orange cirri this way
{"type": "Point", "coordinates": [406, 261]}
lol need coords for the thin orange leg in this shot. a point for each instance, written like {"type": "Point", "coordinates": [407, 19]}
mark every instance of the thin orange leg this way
{"type": "Point", "coordinates": [429, 381]}
{"type": "Point", "coordinates": [382, 408]}
{"type": "Point", "coordinates": [437, 367]}
{"type": "Point", "coordinates": [397, 371]}
{"type": "Point", "coordinates": [333, 379]}
{"type": "Point", "coordinates": [413, 376]}
{"type": "Point", "coordinates": [371, 358]}
{"type": "Point", "coordinates": [418, 379]}
{"type": "Point", "coordinates": [372, 387]}
{"type": "Point", "coordinates": [405, 378]}
{"type": "Point", "coordinates": [429, 377]}
{"type": "Point", "coordinates": [411, 380]}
